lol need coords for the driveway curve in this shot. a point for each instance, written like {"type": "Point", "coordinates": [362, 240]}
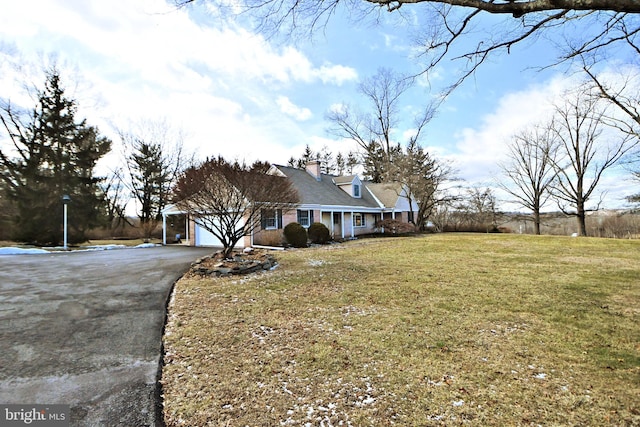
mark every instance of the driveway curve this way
{"type": "Point", "coordinates": [85, 329]}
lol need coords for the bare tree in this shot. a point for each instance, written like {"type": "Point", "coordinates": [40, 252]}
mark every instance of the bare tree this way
{"type": "Point", "coordinates": [584, 155]}
{"type": "Point", "coordinates": [372, 129]}
{"type": "Point", "coordinates": [623, 92]}
{"type": "Point", "coordinates": [114, 193]}
{"type": "Point", "coordinates": [624, 95]}
{"type": "Point", "coordinates": [482, 205]}
{"type": "Point", "coordinates": [529, 169]}
{"type": "Point", "coordinates": [229, 199]}
{"type": "Point", "coordinates": [635, 198]}
{"type": "Point", "coordinates": [475, 209]}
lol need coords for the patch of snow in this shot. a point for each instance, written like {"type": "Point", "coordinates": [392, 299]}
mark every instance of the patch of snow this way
{"type": "Point", "coordinates": [60, 249]}
{"type": "Point", "coordinates": [102, 248]}
{"type": "Point", "coordinates": [147, 245]}
{"type": "Point", "coordinates": [22, 251]}
{"type": "Point", "coordinates": [368, 400]}
{"type": "Point", "coordinates": [286, 390]}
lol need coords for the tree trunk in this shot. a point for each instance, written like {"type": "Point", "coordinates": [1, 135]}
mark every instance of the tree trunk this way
{"type": "Point", "coordinates": [581, 217]}
{"type": "Point", "coordinates": [536, 222]}
{"type": "Point", "coordinates": [226, 252]}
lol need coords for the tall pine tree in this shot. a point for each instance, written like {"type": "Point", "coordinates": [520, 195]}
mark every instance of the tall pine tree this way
{"type": "Point", "coordinates": [154, 156]}
{"type": "Point", "coordinates": [50, 156]}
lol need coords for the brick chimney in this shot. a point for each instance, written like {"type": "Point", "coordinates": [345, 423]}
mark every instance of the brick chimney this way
{"type": "Point", "coordinates": [313, 168]}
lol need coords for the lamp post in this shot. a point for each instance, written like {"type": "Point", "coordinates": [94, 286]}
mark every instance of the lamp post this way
{"type": "Point", "coordinates": [65, 201]}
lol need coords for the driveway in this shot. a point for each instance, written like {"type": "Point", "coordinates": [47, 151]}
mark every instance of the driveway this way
{"type": "Point", "coordinates": [85, 329]}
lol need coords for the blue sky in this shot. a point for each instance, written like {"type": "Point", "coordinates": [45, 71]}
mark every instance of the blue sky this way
{"type": "Point", "coordinates": [235, 93]}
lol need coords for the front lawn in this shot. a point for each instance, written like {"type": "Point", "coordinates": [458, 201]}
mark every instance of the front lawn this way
{"type": "Point", "coordinates": [447, 329]}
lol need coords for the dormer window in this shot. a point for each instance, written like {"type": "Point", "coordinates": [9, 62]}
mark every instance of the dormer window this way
{"type": "Point", "coordinates": [356, 190]}
{"type": "Point", "coordinates": [349, 184]}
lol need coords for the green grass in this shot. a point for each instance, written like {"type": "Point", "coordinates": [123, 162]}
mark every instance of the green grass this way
{"type": "Point", "coordinates": [438, 330]}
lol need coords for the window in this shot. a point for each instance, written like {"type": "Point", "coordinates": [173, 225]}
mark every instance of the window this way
{"type": "Point", "coordinates": [305, 218]}
{"type": "Point", "coordinates": [356, 190]}
{"type": "Point", "coordinates": [358, 220]}
{"type": "Point", "coordinates": [271, 219]}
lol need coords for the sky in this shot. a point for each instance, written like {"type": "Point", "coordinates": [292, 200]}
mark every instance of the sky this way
{"type": "Point", "coordinates": [234, 92]}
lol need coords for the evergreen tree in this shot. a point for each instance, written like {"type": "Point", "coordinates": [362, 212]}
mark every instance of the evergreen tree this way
{"type": "Point", "coordinates": [341, 164]}
{"type": "Point", "coordinates": [154, 158]}
{"type": "Point", "coordinates": [352, 162]}
{"type": "Point", "coordinates": [423, 180]}
{"type": "Point", "coordinates": [55, 155]}
{"type": "Point", "coordinates": [307, 156]}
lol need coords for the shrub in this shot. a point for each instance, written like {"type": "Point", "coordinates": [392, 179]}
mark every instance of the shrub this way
{"type": "Point", "coordinates": [392, 226]}
{"type": "Point", "coordinates": [296, 235]}
{"type": "Point", "coordinates": [319, 233]}
{"type": "Point", "coordinates": [269, 238]}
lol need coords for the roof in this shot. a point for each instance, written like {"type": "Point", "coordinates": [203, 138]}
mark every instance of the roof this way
{"type": "Point", "coordinates": [387, 193]}
{"type": "Point", "coordinates": [325, 191]}
{"type": "Point", "coordinates": [346, 179]}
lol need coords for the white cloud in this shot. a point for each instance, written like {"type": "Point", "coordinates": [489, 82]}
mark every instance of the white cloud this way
{"type": "Point", "coordinates": [147, 59]}
{"type": "Point", "coordinates": [290, 109]}
{"type": "Point", "coordinates": [336, 74]}
{"type": "Point", "coordinates": [338, 108]}
{"type": "Point", "coordinates": [480, 149]}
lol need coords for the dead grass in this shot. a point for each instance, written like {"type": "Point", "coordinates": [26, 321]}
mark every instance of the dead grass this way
{"type": "Point", "coordinates": [439, 330]}
{"type": "Point", "coordinates": [125, 242]}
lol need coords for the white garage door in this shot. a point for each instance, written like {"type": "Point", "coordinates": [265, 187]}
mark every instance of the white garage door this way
{"type": "Point", "coordinates": [206, 238]}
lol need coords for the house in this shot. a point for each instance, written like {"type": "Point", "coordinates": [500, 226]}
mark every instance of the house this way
{"type": "Point", "coordinates": [347, 205]}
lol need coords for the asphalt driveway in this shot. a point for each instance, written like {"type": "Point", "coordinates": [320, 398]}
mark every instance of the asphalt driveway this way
{"type": "Point", "coordinates": [84, 329]}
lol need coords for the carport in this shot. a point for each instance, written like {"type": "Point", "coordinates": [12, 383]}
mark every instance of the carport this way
{"type": "Point", "coordinates": [169, 213]}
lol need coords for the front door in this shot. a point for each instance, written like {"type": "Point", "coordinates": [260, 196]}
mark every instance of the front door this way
{"type": "Point", "coordinates": [337, 225]}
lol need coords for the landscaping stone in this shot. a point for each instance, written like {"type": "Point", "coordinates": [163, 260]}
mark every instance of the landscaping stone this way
{"type": "Point", "coordinates": [240, 263]}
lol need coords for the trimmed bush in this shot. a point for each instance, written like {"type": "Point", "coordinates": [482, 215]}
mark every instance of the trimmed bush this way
{"type": "Point", "coordinates": [319, 233]}
{"type": "Point", "coordinates": [269, 238]}
{"type": "Point", "coordinates": [392, 226]}
{"type": "Point", "coordinates": [296, 235]}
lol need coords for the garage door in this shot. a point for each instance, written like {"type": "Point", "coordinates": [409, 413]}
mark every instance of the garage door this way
{"type": "Point", "coordinates": [206, 238]}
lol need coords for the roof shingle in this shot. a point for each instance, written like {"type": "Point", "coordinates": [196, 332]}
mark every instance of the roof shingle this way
{"type": "Point", "coordinates": [324, 192]}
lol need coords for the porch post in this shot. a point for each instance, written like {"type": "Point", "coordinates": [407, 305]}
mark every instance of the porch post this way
{"type": "Point", "coordinates": [353, 231]}
{"type": "Point", "coordinates": [164, 228]}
